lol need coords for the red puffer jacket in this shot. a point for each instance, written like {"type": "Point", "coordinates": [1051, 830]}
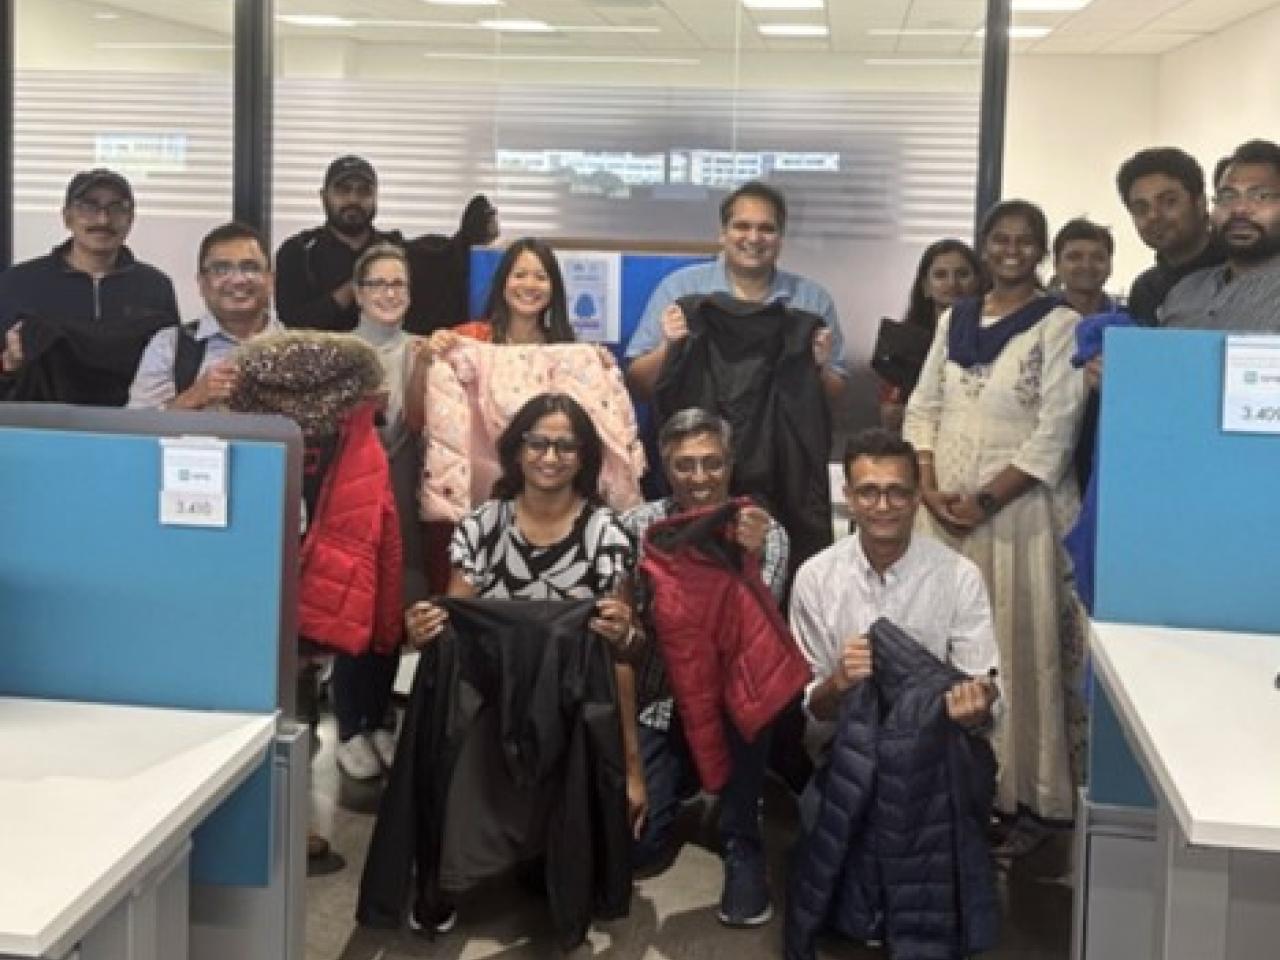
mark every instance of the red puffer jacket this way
{"type": "Point", "coordinates": [350, 592]}
{"type": "Point", "coordinates": [726, 646]}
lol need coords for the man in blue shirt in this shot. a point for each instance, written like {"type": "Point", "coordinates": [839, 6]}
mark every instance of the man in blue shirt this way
{"type": "Point", "coordinates": [752, 221]}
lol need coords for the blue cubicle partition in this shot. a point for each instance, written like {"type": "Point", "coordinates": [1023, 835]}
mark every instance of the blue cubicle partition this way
{"type": "Point", "coordinates": [102, 603]}
{"type": "Point", "coordinates": [641, 273]}
{"type": "Point", "coordinates": [1187, 515]}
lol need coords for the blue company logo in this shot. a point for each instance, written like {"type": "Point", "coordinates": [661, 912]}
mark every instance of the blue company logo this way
{"type": "Point", "coordinates": [584, 307]}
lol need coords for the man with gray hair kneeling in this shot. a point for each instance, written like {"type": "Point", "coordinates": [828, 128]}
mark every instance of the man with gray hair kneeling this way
{"type": "Point", "coordinates": [696, 452]}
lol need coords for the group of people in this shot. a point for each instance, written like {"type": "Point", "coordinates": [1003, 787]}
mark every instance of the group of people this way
{"type": "Point", "coordinates": [960, 500]}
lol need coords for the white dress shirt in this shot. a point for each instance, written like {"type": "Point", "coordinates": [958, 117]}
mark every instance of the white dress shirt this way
{"type": "Point", "coordinates": [932, 592]}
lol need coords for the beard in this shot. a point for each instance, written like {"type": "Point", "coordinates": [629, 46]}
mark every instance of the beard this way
{"type": "Point", "coordinates": [350, 220]}
{"type": "Point", "coordinates": [1264, 246]}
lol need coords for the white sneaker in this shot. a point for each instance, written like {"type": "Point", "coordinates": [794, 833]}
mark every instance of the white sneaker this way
{"type": "Point", "coordinates": [384, 744]}
{"type": "Point", "coordinates": [357, 758]}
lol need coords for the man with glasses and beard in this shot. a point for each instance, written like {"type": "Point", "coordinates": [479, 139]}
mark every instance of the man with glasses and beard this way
{"type": "Point", "coordinates": [314, 267]}
{"type": "Point", "coordinates": [1242, 294]}
{"type": "Point", "coordinates": [91, 277]}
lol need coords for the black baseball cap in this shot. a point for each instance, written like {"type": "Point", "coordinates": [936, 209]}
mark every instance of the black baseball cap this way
{"type": "Point", "coordinates": [348, 168]}
{"type": "Point", "coordinates": [86, 180]}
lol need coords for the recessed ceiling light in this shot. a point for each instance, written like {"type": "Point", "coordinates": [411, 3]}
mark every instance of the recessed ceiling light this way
{"type": "Point", "coordinates": [793, 29]}
{"type": "Point", "coordinates": [106, 15]}
{"type": "Point", "coordinates": [783, 4]}
{"type": "Point", "coordinates": [464, 3]}
{"type": "Point", "coordinates": [314, 20]}
{"type": "Point", "coordinates": [1020, 33]}
{"type": "Point", "coordinates": [158, 45]}
{"type": "Point", "coordinates": [1049, 6]}
{"type": "Point", "coordinates": [516, 26]}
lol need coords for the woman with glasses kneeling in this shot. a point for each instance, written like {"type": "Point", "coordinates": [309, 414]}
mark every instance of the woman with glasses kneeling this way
{"type": "Point", "coordinates": [545, 536]}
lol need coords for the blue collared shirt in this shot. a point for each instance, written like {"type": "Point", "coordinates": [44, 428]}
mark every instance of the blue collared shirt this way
{"type": "Point", "coordinates": [702, 278]}
{"type": "Point", "coordinates": [153, 385]}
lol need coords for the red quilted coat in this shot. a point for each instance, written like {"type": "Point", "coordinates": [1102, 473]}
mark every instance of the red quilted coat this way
{"type": "Point", "coordinates": [350, 593]}
{"type": "Point", "coordinates": [726, 646]}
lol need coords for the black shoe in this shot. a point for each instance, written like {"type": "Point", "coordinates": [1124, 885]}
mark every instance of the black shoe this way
{"type": "Point", "coordinates": [444, 920]}
{"type": "Point", "coordinates": [744, 902]}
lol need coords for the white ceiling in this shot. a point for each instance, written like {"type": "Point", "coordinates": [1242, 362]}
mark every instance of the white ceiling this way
{"type": "Point", "coordinates": [686, 26]}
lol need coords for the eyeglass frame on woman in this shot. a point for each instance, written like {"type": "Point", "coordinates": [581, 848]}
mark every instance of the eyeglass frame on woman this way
{"type": "Point", "coordinates": [539, 445]}
{"type": "Point", "coordinates": [383, 285]}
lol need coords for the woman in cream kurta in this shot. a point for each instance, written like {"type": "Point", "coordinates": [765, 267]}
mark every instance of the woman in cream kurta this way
{"type": "Point", "coordinates": [995, 439]}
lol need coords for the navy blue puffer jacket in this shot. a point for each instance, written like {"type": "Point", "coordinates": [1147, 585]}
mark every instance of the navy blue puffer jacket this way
{"type": "Point", "coordinates": [898, 850]}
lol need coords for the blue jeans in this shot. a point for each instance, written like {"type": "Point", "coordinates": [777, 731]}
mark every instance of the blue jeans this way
{"type": "Point", "coordinates": [669, 770]}
{"type": "Point", "coordinates": [361, 691]}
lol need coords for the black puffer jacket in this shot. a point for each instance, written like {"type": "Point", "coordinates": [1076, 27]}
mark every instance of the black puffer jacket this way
{"type": "Point", "coordinates": [552, 682]}
{"type": "Point", "coordinates": [899, 851]}
{"type": "Point", "coordinates": [752, 364]}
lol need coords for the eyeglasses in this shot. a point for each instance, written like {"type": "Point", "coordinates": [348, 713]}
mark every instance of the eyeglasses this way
{"type": "Point", "coordinates": [378, 285]}
{"type": "Point", "coordinates": [688, 465]}
{"type": "Point", "coordinates": [114, 209]}
{"type": "Point", "coordinates": [869, 495]}
{"type": "Point", "coordinates": [1253, 196]}
{"type": "Point", "coordinates": [224, 269]}
{"type": "Point", "coordinates": [538, 445]}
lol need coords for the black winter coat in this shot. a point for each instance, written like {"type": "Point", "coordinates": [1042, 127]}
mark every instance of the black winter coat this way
{"type": "Point", "coordinates": [552, 682]}
{"type": "Point", "coordinates": [899, 848]}
{"type": "Point", "coordinates": [80, 361]}
{"type": "Point", "coordinates": [752, 364]}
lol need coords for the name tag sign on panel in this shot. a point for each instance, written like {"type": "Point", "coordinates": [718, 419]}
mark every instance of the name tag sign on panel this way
{"type": "Point", "coordinates": [193, 481]}
{"type": "Point", "coordinates": [1251, 385]}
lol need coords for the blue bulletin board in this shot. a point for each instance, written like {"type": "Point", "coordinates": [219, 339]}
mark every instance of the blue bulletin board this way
{"type": "Point", "coordinates": [103, 603]}
{"type": "Point", "coordinates": [1187, 514]}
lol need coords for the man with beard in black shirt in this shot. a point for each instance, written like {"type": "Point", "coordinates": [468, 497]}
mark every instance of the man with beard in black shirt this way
{"type": "Point", "coordinates": [313, 268]}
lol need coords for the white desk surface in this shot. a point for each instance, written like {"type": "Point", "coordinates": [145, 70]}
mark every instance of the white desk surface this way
{"type": "Point", "coordinates": [1204, 709]}
{"type": "Point", "coordinates": [88, 792]}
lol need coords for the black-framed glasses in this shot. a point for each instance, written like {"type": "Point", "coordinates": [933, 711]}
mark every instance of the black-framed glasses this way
{"type": "Point", "coordinates": [223, 269]}
{"type": "Point", "coordinates": [88, 207]}
{"type": "Point", "coordinates": [710, 464]}
{"type": "Point", "coordinates": [1254, 196]}
{"type": "Point", "coordinates": [538, 444]}
{"type": "Point", "coordinates": [379, 285]}
{"type": "Point", "coordinates": [869, 495]}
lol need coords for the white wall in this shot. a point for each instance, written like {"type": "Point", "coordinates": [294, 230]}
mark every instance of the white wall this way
{"type": "Point", "coordinates": [1220, 91]}
{"type": "Point", "coordinates": [1071, 122]}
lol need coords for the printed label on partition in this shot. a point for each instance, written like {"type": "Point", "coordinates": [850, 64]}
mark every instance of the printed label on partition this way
{"type": "Point", "coordinates": [1251, 385]}
{"type": "Point", "coordinates": [193, 481]}
{"type": "Point", "coordinates": [192, 509]}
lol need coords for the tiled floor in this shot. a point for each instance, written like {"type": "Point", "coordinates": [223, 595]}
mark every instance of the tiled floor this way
{"type": "Point", "coordinates": [672, 915]}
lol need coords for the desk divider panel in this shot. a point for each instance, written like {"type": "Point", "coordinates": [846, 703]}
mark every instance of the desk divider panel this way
{"type": "Point", "coordinates": [1188, 515]}
{"type": "Point", "coordinates": [102, 603]}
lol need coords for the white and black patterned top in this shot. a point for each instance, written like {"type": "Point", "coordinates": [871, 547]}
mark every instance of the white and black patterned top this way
{"type": "Point", "coordinates": [496, 559]}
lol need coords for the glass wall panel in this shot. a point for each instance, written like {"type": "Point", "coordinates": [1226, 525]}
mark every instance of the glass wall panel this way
{"type": "Point", "coordinates": [627, 121]}
{"type": "Point", "coordinates": [142, 87]}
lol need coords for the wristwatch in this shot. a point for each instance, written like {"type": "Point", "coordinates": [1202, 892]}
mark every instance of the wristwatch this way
{"type": "Point", "coordinates": [988, 504]}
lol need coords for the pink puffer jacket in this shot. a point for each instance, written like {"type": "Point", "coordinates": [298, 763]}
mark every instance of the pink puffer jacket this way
{"type": "Point", "coordinates": [475, 389]}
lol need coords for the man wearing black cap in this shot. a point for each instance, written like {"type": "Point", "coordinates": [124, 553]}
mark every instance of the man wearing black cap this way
{"type": "Point", "coordinates": [313, 268]}
{"type": "Point", "coordinates": [90, 277]}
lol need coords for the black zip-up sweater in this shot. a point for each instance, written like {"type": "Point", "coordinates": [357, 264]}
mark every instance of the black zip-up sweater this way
{"type": "Point", "coordinates": [50, 288]}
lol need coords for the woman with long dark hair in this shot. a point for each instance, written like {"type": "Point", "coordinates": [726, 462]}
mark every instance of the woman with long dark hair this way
{"type": "Point", "coordinates": [948, 270]}
{"type": "Point", "coordinates": [546, 536]}
{"type": "Point", "coordinates": [526, 303]}
{"type": "Point", "coordinates": [994, 420]}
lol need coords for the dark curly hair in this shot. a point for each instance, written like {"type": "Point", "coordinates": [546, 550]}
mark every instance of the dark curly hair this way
{"type": "Point", "coordinates": [1170, 161]}
{"type": "Point", "coordinates": [880, 444]}
{"type": "Point", "coordinates": [586, 481]}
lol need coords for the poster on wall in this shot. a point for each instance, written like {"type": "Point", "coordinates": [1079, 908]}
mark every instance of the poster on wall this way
{"type": "Point", "coordinates": [593, 290]}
